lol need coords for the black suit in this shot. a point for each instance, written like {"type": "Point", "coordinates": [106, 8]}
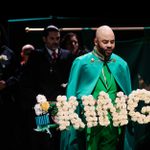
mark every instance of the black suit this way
{"type": "Point", "coordinates": [44, 76]}
{"type": "Point", "coordinates": [8, 107]}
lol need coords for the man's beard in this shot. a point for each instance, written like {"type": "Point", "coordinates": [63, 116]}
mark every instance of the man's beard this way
{"type": "Point", "coordinates": [103, 53]}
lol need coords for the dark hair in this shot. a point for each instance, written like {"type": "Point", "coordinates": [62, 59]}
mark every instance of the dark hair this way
{"type": "Point", "coordinates": [49, 29]}
{"type": "Point", "coordinates": [67, 38]}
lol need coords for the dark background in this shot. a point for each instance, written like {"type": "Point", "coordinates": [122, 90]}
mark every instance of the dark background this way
{"type": "Point", "coordinates": [16, 25]}
{"type": "Point", "coordinates": [24, 14]}
{"type": "Point", "coordinates": [72, 13]}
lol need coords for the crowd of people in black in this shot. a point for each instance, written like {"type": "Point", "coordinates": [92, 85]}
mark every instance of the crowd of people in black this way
{"type": "Point", "coordinates": [38, 72]}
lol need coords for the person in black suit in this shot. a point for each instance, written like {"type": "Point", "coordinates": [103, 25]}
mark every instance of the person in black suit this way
{"type": "Point", "coordinates": [45, 73]}
{"type": "Point", "coordinates": [71, 42]}
{"type": "Point", "coordinates": [8, 86]}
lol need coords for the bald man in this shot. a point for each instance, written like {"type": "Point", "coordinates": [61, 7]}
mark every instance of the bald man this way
{"type": "Point", "coordinates": [25, 52]}
{"type": "Point", "coordinates": [99, 70]}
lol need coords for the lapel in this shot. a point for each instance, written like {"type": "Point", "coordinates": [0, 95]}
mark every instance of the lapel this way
{"type": "Point", "coordinates": [47, 55]}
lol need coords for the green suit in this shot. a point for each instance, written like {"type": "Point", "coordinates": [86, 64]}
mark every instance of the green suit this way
{"type": "Point", "coordinates": [84, 75]}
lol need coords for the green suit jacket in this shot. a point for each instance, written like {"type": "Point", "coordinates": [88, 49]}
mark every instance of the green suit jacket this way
{"type": "Point", "coordinates": [84, 74]}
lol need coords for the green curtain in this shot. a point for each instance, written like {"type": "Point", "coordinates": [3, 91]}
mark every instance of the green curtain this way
{"type": "Point", "coordinates": [137, 53]}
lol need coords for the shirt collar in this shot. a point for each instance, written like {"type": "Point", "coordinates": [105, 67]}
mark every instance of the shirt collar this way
{"type": "Point", "coordinates": [51, 51]}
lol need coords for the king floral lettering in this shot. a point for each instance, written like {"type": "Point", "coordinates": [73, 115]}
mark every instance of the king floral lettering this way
{"type": "Point", "coordinates": [101, 111]}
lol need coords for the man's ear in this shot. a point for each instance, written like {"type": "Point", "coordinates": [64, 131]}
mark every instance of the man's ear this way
{"type": "Point", "coordinates": [22, 54]}
{"type": "Point", "coordinates": [95, 41]}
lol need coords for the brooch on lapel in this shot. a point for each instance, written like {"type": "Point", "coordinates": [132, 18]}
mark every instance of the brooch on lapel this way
{"type": "Point", "coordinates": [92, 59]}
{"type": "Point", "coordinates": [113, 60]}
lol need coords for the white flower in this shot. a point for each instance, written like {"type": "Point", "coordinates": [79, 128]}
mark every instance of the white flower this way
{"type": "Point", "coordinates": [66, 113]}
{"type": "Point", "coordinates": [133, 100]}
{"type": "Point", "coordinates": [3, 57]}
{"type": "Point", "coordinates": [42, 105]}
{"type": "Point", "coordinates": [106, 110]}
{"type": "Point", "coordinates": [41, 98]}
{"type": "Point", "coordinates": [89, 110]}
{"type": "Point", "coordinates": [38, 109]}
